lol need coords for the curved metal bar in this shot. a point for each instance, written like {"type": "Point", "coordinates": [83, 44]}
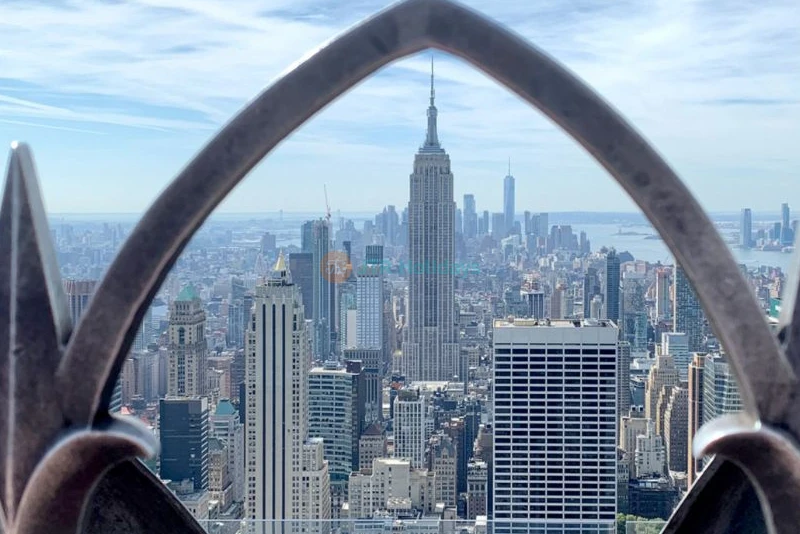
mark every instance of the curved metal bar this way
{"type": "Point", "coordinates": [769, 457]}
{"type": "Point", "coordinates": [103, 337]}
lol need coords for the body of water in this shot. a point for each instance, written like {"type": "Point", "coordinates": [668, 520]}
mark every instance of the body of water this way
{"type": "Point", "coordinates": [655, 250]}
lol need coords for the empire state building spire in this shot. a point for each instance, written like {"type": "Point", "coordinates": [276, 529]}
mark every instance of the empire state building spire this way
{"type": "Point", "coordinates": [432, 137]}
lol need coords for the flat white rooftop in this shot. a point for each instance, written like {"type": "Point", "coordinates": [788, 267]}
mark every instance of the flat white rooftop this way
{"type": "Point", "coordinates": [515, 322]}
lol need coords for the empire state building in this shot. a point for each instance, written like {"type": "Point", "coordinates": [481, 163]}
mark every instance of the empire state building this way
{"type": "Point", "coordinates": [430, 351]}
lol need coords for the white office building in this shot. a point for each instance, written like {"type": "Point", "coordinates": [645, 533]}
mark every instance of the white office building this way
{"type": "Point", "coordinates": [555, 426]}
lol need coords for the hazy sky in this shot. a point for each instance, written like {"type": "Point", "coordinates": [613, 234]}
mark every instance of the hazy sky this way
{"type": "Point", "coordinates": [115, 97]}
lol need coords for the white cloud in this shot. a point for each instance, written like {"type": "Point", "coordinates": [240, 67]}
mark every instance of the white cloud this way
{"type": "Point", "coordinates": [683, 71]}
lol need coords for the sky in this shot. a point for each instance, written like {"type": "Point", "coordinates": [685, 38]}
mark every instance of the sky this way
{"type": "Point", "coordinates": [115, 97]}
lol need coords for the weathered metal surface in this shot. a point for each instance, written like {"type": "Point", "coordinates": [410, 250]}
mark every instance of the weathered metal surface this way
{"type": "Point", "coordinates": [722, 501]}
{"type": "Point", "coordinates": [130, 499]}
{"type": "Point", "coordinates": [48, 465]}
{"type": "Point", "coordinates": [94, 355]}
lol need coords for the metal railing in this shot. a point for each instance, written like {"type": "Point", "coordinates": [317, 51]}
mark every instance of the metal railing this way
{"type": "Point", "coordinates": [56, 379]}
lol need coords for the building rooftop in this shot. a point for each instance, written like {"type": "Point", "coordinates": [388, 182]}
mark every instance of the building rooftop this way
{"type": "Point", "coordinates": [511, 322]}
{"type": "Point", "coordinates": [225, 407]}
{"type": "Point", "coordinates": [188, 294]}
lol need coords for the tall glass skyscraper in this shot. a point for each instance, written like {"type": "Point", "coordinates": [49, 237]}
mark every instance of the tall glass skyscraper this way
{"type": "Point", "coordinates": [746, 229]}
{"type": "Point", "coordinates": [508, 200]}
{"type": "Point", "coordinates": [612, 286]}
{"type": "Point", "coordinates": [316, 241]}
{"type": "Point", "coordinates": [470, 217]}
{"type": "Point", "coordinates": [689, 316]}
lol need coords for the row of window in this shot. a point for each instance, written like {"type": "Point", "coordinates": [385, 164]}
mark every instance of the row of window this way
{"type": "Point", "coordinates": [582, 350]}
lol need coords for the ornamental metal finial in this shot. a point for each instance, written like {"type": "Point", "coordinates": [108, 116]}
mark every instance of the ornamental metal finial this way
{"type": "Point", "coordinates": [54, 399]}
{"type": "Point", "coordinates": [49, 465]}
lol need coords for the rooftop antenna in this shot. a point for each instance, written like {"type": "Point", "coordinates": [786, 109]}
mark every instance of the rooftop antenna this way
{"type": "Point", "coordinates": [433, 93]}
{"type": "Point", "coordinates": [327, 205]}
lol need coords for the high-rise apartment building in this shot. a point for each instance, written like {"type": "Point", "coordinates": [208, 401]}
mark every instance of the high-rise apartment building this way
{"type": "Point", "coordinates": [335, 414]}
{"type": "Point", "coordinates": [746, 229]}
{"type": "Point", "coordinates": [676, 426]}
{"type": "Point", "coordinates": [720, 390]}
{"type": "Point", "coordinates": [663, 374]}
{"type": "Point", "coordinates": [676, 344]}
{"type": "Point", "coordinates": [431, 352]}
{"type": "Point", "coordinates": [188, 348]}
{"type": "Point", "coordinates": [555, 428]}
{"type": "Point", "coordinates": [591, 287]}
{"type": "Point", "coordinates": [369, 323]}
{"type": "Point", "coordinates": [612, 286]}
{"type": "Point", "coordinates": [695, 414]}
{"type": "Point", "coordinates": [410, 432]}
{"type": "Point", "coordinates": [228, 429]}
{"type": "Point", "coordinates": [183, 432]}
{"type": "Point", "coordinates": [623, 378]}
{"type": "Point", "coordinates": [687, 311]}
{"type": "Point", "coordinates": [509, 201]}
{"type": "Point", "coordinates": [373, 370]}
{"type": "Point", "coordinates": [277, 357]}
{"type": "Point", "coordinates": [663, 298]}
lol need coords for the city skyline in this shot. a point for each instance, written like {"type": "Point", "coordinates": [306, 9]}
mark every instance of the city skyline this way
{"type": "Point", "coordinates": [141, 110]}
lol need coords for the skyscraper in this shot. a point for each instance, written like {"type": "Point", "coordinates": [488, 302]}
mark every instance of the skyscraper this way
{"type": "Point", "coordinates": [369, 323]}
{"type": "Point", "coordinates": [316, 240]}
{"type": "Point", "coordinates": [277, 406]}
{"type": "Point", "coordinates": [183, 432]}
{"type": "Point", "coordinates": [78, 294]}
{"type": "Point", "coordinates": [188, 347]}
{"type": "Point", "coordinates": [676, 426]}
{"type": "Point", "coordinates": [746, 229]}
{"type": "Point", "coordinates": [508, 200]}
{"type": "Point", "coordinates": [409, 427]}
{"type": "Point", "coordinates": [227, 427]}
{"type": "Point", "coordinates": [663, 299]}
{"type": "Point", "coordinates": [695, 415]}
{"type": "Point", "coordinates": [591, 287]}
{"type": "Point", "coordinates": [335, 414]}
{"type": "Point", "coordinates": [470, 217]}
{"type": "Point", "coordinates": [689, 315]}
{"type": "Point", "coordinates": [676, 344]}
{"type": "Point", "coordinates": [611, 304]}
{"type": "Point", "coordinates": [372, 372]}
{"type": "Point", "coordinates": [562, 376]}
{"type": "Point", "coordinates": [662, 375]}
{"type": "Point", "coordinates": [431, 352]}
{"type": "Point", "coordinates": [301, 265]}
{"type": "Point", "coordinates": [623, 379]}
{"type": "Point", "coordinates": [787, 236]}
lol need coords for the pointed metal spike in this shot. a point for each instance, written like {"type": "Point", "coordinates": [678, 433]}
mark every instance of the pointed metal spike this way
{"type": "Point", "coordinates": [34, 330]}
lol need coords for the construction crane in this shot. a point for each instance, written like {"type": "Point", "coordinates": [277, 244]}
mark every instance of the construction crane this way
{"type": "Point", "coordinates": [327, 205]}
